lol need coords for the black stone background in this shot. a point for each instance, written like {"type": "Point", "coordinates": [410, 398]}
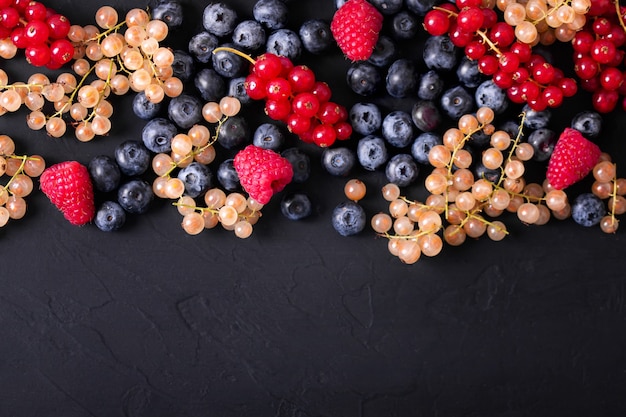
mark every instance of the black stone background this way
{"type": "Point", "coordinates": [297, 320]}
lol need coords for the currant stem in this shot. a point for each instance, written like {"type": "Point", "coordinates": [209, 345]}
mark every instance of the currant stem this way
{"type": "Point", "coordinates": [236, 52]}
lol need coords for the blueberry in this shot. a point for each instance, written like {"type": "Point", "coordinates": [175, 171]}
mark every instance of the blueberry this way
{"type": "Point", "coordinates": [338, 161]}
{"type": "Point", "coordinates": [397, 129]}
{"type": "Point", "coordinates": [589, 123]}
{"type": "Point", "coordinates": [268, 136]}
{"type": "Point", "coordinates": [440, 54]}
{"type": "Point", "coordinates": [511, 127]}
{"type": "Point", "coordinates": [249, 35]}
{"type": "Point", "coordinates": [228, 64]}
{"type": "Point", "coordinates": [388, 7]}
{"type": "Point", "coordinates": [300, 162]}
{"type": "Point", "coordinates": [405, 25]}
{"type": "Point", "coordinates": [384, 52]}
{"type": "Point", "coordinates": [201, 46]}
{"type": "Point", "coordinates": [479, 140]}
{"type": "Point", "coordinates": [588, 210]}
{"type": "Point", "coordinates": [426, 116]}
{"type": "Point", "coordinates": [488, 94]}
{"type": "Point", "coordinates": [543, 141]}
{"type": "Point", "coordinates": [157, 135]}
{"type": "Point", "coordinates": [271, 13]}
{"type": "Point", "coordinates": [402, 78]}
{"type": "Point", "coordinates": [227, 175]}
{"type": "Point", "coordinates": [468, 74]}
{"type": "Point", "coordinates": [316, 36]}
{"type": "Point", "coordinates": [210, 85]}
{"type": "Point", "coordinates": [430, 85]}
{"type": "Point", "coordinates": [371, 152]}
{"type": "Point", "coordinates": [420, 7]}
{"type": "Point", "coordinates": [456, 102]}
{"type": "Point", "coordinates": [423, 144]}
{"type": "Point", "coordinates": [363, 78]}
{"type": "Point", "coordinates": [132, 157]}
{"type": "Point", "coordinates": [284, 42]}
{"type": "Point", "coordinates": [170, 12]}
{"type": "Point", "coordinates": [144, 108]}
{"type": "Point", "coordinates": [219, 19]}
{"type": "Point", "coordinates": [105, 173]}
{"type": "Point", "coordinates": [402, 170]}
{"type": "Point", "coordinates": [348, 218]}
{"type": "Point", "coordinates": [233, 132]}
{"type": "Point", "coordinates": [296, 206]}
{"type": "Point", "coordinates": [185, 110]}
{"type": "Point", "coordinates": [536, 119]}
{"type": "Point", "coordinates": [110, 216]}
{"type": "Point", "coordinates": [491, 175]}
{"type": "Point", "coordinates": [365, 118]}
{"type": "Point", "coordinates": [197, 178]}
{"type": "Point", "coordinates": [237, 89]}
{"type": "Point", "coordinates": [135, 196]}
{"type": "Point", "coordinates": [182, 66]}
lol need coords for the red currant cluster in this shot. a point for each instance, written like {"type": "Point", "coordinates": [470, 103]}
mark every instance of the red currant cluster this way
{"type": "Point", "coordinates": [293, 95]}
{"type": "Point", "coordinates": [526, 76]}
{"type": "Point", "coordinates": [40, 31]}
{"type": "Point", "coordinates": [598, 59]}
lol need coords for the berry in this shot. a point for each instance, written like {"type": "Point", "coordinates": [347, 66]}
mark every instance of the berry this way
{"type": "Point", "coordinates": [132, 157]}
{"type": "Point", "coordinates": [426, 116]}
{"type": "Point", "coordinates": [588, 210]}
{"type": "Point", "coordinates": [536, 119]}
{"type": "Point", "coordinates": [363, 78]}
{"type": "Point", "coordinates": [182, 66]}
{"type": "Point", "coordinates": [105, 173]}
{"type": "Point", "coordinates": [144, 108]}
{"type": "Point", "coordinates": [69, 188]}
{"type": "Point", "coordinates": [371, 152]}
{"type": "Point", "coordinates": [197, 178]}
{"type": "Point", "coordinates": [268, 136]}
{"type": "Point", "coordinates": [227, 64]}
{"type": "Point", "coordinates": [110, 216]}
{"type": "Point", "coordinates": [365, 118]}
{"type": "Point", "coordinates": [296, 206]}
{"type": "Point", "coordinates": [430, 85]}
{"type": "Point", "coordinates": [355, 27]}
{"type": "Point", "coordinates": [300, 162]}
{"type": "Point", "coordinates": [262, 172]}
{"type": "Point", "coordinates": [338, 161]}
{"type": "Point", "coordinates": [227, 175]}
{"type": "Point", "coordinates": [233, 132]}
{"type": "Point", "coordinates": [210, 84]}
{"type": "Point", "coordinates": [423, 144]}
{"type": "Point", "coordinates": [249, 35]}
{"type": "Point", "coordinates": [456, 102]}
{"type": "Point", "coordinates": [397, 129]}
{"type": "Point", "coordinates": [284, 42]}
{"type": "Point", "coordinates": [201, 46]}
{"type": "Point", "coordinates": [402, 170]}
{"type": "Point", "coordinates": [185, 110]}
{"type": "Point", "coordinates": [402, 78]}
{"type": "Point", "coordinates": [157, 135]}
{"type": "Point", "coordinates": [488, 94]}
{"type": "Point", "coordinates": [589, 123]}
{"type": "Point", "coordinates": [348, 218]}
{"type": "Point", "coordinates": [440, 54]}
{"type": "Point", "coordinates": [405, 25]}
{"type": "Point", "coordinates": [219, 19]}
{"type": "Point", "coordinates": [316, 36]}
{"type": "Point", "coordinates": [135, 196]}
{"type": "Point", "coordinates": [384, 52]}
{"type": "Point", "coordinates": [572, 159]}
{"type": "Point", "coordinates": [271, 13]}
{"type": "Point", "coordinates": [170, 12]}
{"type": "Point", "coordinates": [543, 141]}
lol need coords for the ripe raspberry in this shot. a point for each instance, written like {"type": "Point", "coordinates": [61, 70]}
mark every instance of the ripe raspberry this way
{"type": "Point", "coordinates": [572, 159]}
{"type": "Point", "coordinates": [68, 186]}
{"type": "Point", "coordinates": [262, 172]}
{"type": "Point", "coordinates": [355, 27]}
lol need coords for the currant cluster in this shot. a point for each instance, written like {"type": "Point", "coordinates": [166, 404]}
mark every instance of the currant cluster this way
{"type": "Point", "coordinates": [233, 211]}
{"type": "Point", "coordinates": [293, 95]}
{"type": "Point", "coordinates": [461, 205]}
{"type": "Point", "coordinates": [608, 187]}
{"type": "Point", "coordinates": [501, 53]}
{"type": "Point", "coordinates": [598, 59]}
{"type": "Point", "coordinates": [21, 169]}
{"type": "Point", "coordinates": [540, 21]}
{"type": "Point", "coordinates": [40, 31]}
{"type": "Point", "coordinates": [119, 62]}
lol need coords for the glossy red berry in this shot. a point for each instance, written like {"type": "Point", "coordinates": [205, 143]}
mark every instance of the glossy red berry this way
{"type": "Point", "coordinates": [611, 78]}
{"type": "Point", "coordinates": [36, 32]}
{"type": "Point", "coordinates": [343, 130]}
{"type": "Point", "coordinates": [255, 87]}
{"type": "Point", "coordinates": [298, 124]}
{"type": "Point", "coordinates": [322, 91]}
{"type": "Point", "coordinates": [436, 22]}
{"type": "Point", "coordinates": [603, 51]}
{"type": "Point", "coordinates": [278, 109]}
{"type": "Point", "coordinates": [306, 104]}
{"type": "Point", "coordinates": [267, 66]}
{"type": "Point", "coordinates": [35, 11]}
{"type": "Point", "coordinates": [470, 19]}
{"type": "Point", "coordinates": [59, 26]}
{"type": "Point", "coordinates": [604, 101]}
{"type": "Point", "coordinates": [502, 34]}
{"type": "Point", "coordinates": [9, 17]}
{"type": "Point", "coordinates": [278, 89]}
{"type": "Point", "coordinates": [301, 78]}
{"type": "Point", "coordinates": [324, 135]}
{"type": "Point", "coordinates": [38, 55]}
{"type": "Point", "coordinates": [61, 51]}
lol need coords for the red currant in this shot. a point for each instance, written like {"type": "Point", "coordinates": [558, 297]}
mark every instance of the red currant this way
{"type": "Point", "coordinates": [38, 55]}
{"type": "Point", "coordinates": [488, 64]}
{"type": "Point", "coordinates": [255, 87]}
{"type": "Point", "coordinates": [343, 130]}
{"type": "Point", "coordinates": [436, 22]}
{"type": "Point", "coordinates": [278, 109]}
{"type": "Point", "coordinates": [603, 51]}
{"type": "Point", "coordinates": [306, 104]}
{"type": "Point", "coordinates": [552, 96]}
{"type": "Point", "coordinates": [604, 101]}
{"type": "Point", "coordinates": [508, 62]}
{"type": "Point", "coordinates": [36, 32]}
{"type": "Point", "coordinates": [324, 135]}
{"type": "Point", "coordinates": [503, 79]}
{"type": "Point", "coordinates": [611, 78]}
{"type": "Point", "coordinates": [475, 50]}
{"type": "Point", "coordinates": [470, 19]}
{"type": "Point", "coordinates": [301, 78]}
{"type": "Point", "coordinates": [298, 124]}
{"type": "Point", "coordinates": [502, 34]}
{"type": "Point", "coordinates": [61, 51]}
{"type": "Point", "coordinates": [322, 91]}
{"type": "Point", "coordinates": [543, 74]}
{"type": "Point", "coordinates": [267, 66]}
{"type": "Point", "coordinates": [9, 17]}
{"type": "Point", "coordinates": [35, 11]}
{"type": "Point", "coordinates": [278, 89]}
{"type": "Point", "coordinates": [582, 41]}
{"type": "Point", "coordinates": [59, 26]}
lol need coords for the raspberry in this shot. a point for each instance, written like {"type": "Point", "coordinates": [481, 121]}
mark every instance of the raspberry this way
{"type": "Point", "coordinates": [572, 159]}
{"type": "Point", "coordinates": [68, 186]}
{"type": "Point", "coordinates": [355, 27]}
{"type": "Point", "coordinates": [262, 172]}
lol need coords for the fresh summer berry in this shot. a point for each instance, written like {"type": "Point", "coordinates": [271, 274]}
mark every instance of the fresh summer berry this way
{"type": "Point", "coordinates": [588, 210]}
{"type": "Point", "coordinates": [135, 196]}
{"type": "Point", "coordinates": [105, 173]}
{"type": "Point", "coordinates": [300, 162]}
{"type": "Point", "coordinates": [132, 157]}
{"type": "Point", "coordinates": [227, 176]}
{"type": "Point", "coordinates": [296, 206]}
{"type": "Point", "coordinates": [355, 27]}
{"type": "Point", "coordinates": [402, 170]}
{"type": "Point", "coordinates": [110, 216]}
{"type": "Point", "coordinates": [68, 186]}
{"type": "Point", "coordinates": [262, 172]}
{"type": "Point", "coordinates": [197, 178]}
{"type": "Point", "coordinates": [348, 218]}
{"type": "Point", "coordinates": [573, 158]}
{"type": "Point", "coordinates": [338, 161]}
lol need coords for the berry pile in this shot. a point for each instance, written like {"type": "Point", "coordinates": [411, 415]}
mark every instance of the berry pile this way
{"type": "Point", "coordinates": [479, 61]}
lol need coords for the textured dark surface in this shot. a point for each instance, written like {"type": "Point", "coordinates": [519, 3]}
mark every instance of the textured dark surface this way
{"type": "Point", "coordinates": [297, 320]}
